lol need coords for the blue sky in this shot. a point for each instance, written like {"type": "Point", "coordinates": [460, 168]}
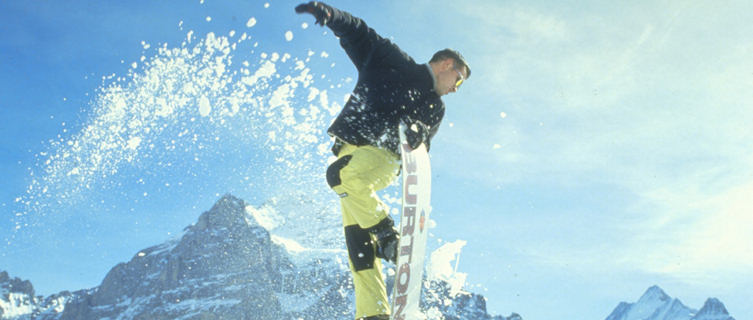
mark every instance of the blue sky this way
{"type": "Point", "coordinates": [597, 149]}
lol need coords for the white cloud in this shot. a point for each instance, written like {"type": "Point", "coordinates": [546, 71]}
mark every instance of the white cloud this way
{"type": "Point", "coordinates": [697, 238]}
{"type": "Point", "coordinates": [525, 22]}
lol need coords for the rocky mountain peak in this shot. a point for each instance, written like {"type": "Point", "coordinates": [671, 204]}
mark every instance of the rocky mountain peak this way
{"type": "Point", "coordinates": [15, 285]}
{"type": "Point", "coordinates": [225, 260]}
{"type": "Point", "coordinates": [654, 294]}
{"type": "Point", "coordinates": [655, 304]}
{"type": "Point", "coordinates": [227, 213]}
{"type": "Point", "coordinates": [713, 309]}
{"type": "Point", "coordinates": [17, 300]}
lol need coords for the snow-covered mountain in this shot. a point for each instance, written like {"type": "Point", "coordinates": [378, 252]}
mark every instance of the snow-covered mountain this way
{"type": "Point", "coordinates": [229, 266]}
{"type": "Point", "coordinates": [654, 304]}
{"type": "Point", "coordinates": [226, 266]}
{"type": "Point", "coordinates": [18, 301]}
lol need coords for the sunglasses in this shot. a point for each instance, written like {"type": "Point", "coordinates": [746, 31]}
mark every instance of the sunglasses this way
{"type": "Point", "coordinates": [460, 78]}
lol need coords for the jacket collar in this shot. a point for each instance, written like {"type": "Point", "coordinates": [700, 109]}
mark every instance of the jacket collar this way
{"type": "Point", "coordinates": [433, 78]}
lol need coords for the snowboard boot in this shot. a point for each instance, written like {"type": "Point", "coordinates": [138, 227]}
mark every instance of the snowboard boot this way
{"type": "Point", "coordinates": [387, 238]}
{"type": "Point", "coordinates": [379, 317]}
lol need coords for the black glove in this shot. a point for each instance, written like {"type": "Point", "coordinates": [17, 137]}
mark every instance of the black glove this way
{"type": "Point", "coordinates": [320, 11]}
{"type": "Point", "coordinates": [416, 134]}
{"type": "Point", "coordinates": [387, 239]}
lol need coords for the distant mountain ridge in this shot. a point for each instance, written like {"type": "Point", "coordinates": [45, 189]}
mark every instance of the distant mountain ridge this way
{"type": "Point", "coordinates": [655, 304]}
{"type": "Point", "coordinates": [18, 300]}
{"type": "Point", "coordinates": [228, 266]}
{"type": "Point", "coordinates": [225, 266]}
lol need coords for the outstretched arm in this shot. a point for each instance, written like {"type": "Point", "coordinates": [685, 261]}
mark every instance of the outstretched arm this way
{"type": "Point", "coordinates": [361, 43]}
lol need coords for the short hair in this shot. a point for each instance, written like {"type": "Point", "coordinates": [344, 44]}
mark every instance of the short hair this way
{"type": "Point", "coordinates": [451, 54]}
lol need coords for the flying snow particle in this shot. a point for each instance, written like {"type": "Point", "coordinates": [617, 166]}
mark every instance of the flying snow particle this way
{"type": "Point", "coordinates": [266, 5]}
{"type": "Point", "coordinates": [204, 107]}
{"type": "Point", "coordinates": [496, 146]}
{"type": "Point", "coordinates": [133, 143]}
{"type": "Point", "coordinates": [304, 25]}
{"type": "Point", "coordinates": [74, 171]}
{"type": "Point", "coordinates": [502, 115]}
{"type": "Point", "coordinates": [440, 265]}
{"type": "Point", "coordinates": [288, 35]}
{"type": "Point", "coordinates": [251, 22]}
{"type": "Point", "coordinates": [209, 19]}
{"type": "Point", "coordinates": [313, 92]}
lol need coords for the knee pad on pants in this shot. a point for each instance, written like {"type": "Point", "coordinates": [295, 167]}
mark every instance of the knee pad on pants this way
{"type": "Point", "coordinates": [360, 247]}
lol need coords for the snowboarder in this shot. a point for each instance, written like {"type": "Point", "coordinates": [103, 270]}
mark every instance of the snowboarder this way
{"type": "Point", "coordinates": [391, 88]}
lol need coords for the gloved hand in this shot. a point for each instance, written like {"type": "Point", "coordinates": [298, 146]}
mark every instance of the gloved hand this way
{"type": "Point", "coordinates": [416, 134]}
{"type": "Point", "coordinates": [320, 11]}
{"type": "Point", "coordinates": [387, 238]}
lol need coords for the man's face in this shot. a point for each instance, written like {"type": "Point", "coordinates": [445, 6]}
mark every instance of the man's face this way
{"type": "Point", "coordinates": [449, 77]}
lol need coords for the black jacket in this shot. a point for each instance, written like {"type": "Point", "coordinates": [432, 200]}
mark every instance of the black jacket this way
{"type": "Point", "coordinates": [391, 87]}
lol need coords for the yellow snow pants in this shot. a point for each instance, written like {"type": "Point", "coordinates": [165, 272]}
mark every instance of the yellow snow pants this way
{"type": "Point", "coordinates": [357, 174]}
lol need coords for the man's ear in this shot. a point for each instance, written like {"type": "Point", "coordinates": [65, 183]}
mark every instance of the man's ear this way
{"type": "Point", "coordinates": [448, 64]}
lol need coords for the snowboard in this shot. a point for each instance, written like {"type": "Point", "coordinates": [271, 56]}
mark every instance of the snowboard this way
{"type": "Point", "coordinates": [414, 218]}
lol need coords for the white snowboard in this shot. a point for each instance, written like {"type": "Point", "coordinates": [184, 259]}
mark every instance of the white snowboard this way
{"type": "Point", "coordinates": [414, 219]}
